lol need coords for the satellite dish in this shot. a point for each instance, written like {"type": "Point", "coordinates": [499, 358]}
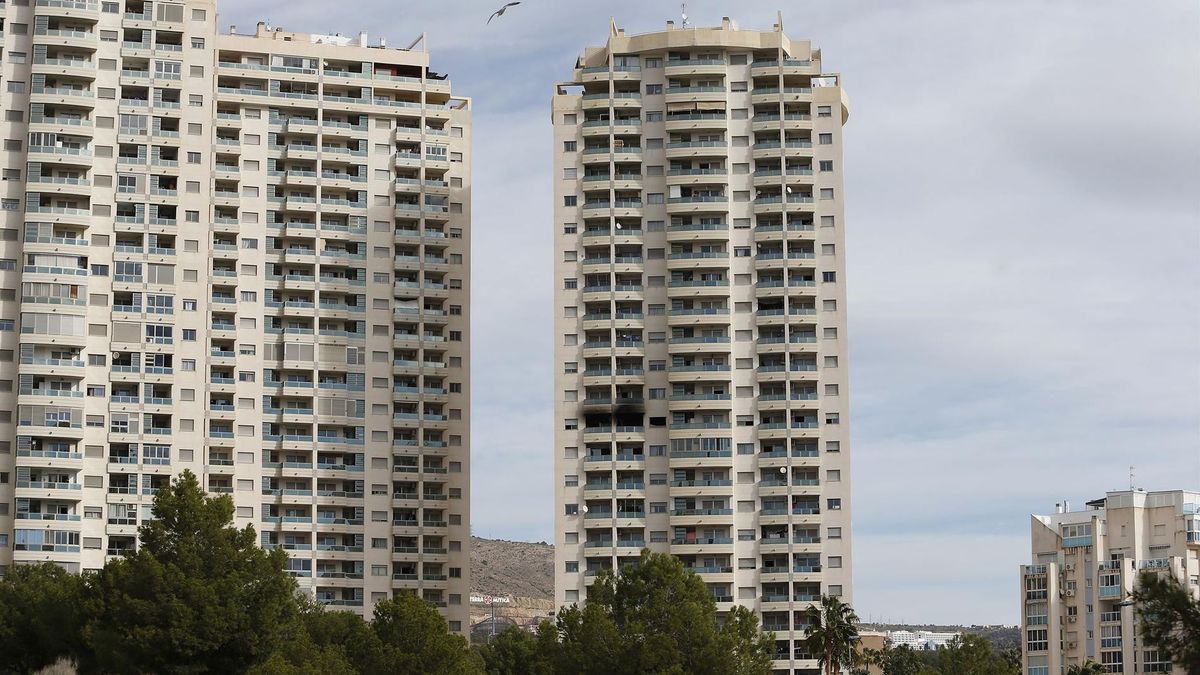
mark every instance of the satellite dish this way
{"type": "Point", "coordinates": [783, 469]}
{"type": "Point", "coordinates": [584, 509]}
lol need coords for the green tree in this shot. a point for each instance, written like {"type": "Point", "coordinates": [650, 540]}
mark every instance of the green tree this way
{"type": "Point", "coordinates": [831, 633]}
{"type": "Point", "coordinates": [415, 639]}
{"type": "Point", "coordinates": [335, 642]}
{"type": "Point", "coordinates": [1088, 667]}
{"type": "Point", "coordinates": [900, 660]}
{"type": "Point", "coordinates": [972, 655]}
{"type": "Point", "coordinates": [655, 617]}
{"type": "Point", "coordinates": [1169, 616]}
{"type": "Point", "coordinates": [39, 619]}
{"type": "Point", "coordinates": [518, 652]}
{"type": "Point", "coordinates": [198, 595]}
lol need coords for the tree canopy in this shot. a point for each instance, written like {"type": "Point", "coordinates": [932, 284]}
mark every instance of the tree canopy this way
{"type": "Point", "coordinates": [39, 621]}
{"type": "Point", "coordinates": [199, 596]}
{"type": "Point", "coordinates": [652, 617]}
{"type": "Point", "coordinates": [1170, 618]}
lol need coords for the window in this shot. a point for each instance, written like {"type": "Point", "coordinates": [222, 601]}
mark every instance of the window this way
{"type": "Point", "coordinates": [570, 200]}
{"type": "Point", "coordinates": [825, 139]}
{"type": "Point", "coordinates": [835, 504]}
{"type": "Point", "coordinates": [197, 43]}
{"type": "Point", "coordinates": [826, 193]}
{"type": "Point", "coordinates": [654, 89]}
{"type": "Point", "coordinates": [834, 533]}
{"type": "Point", "coordinates": [829, 277]}
{"type": "Point", "coordinates": [825, 165]}
{"type": "Point", "coordinates": [569, 146]}
{"type": "Point", "coordinates": [570, 173]}
{"type": "Point", "coordinates": [653, 63]}
{"type": "Point", "coordinates": [824, 111]}
{"type": "Point", "coordinates": [569, 118]}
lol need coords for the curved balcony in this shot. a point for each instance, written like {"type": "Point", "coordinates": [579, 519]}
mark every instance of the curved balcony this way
{"type": "Point", "coordinates": [775, 177]}
{"type": "Point", "coordinates": [692, 402]}
{"type": "Point", "coordinates": [697, 121]}
{"type": "Point", "coordinates": [701, 545]}
{"type": "Point", "coordinates": [787, 121]}
{"type": "Point", "coordinates": [688, 149]}
{"type": "Point", "coordinates": [698, 232]}
{"type": "Point", "coordinates": [775, 203]}
{"type": "Point", "coordinates": [697, 259]}
{"type": "Point", "coordinates": [621, 99]}
{"type": "Point", "coordinates": [699, 459]}
{"type": "Point", "coordinates": [65, 38]}
{"type": "Point", "coordinates": [697, 176]}
{"type": "Point", "coordinates": [72, 9]}
{"type": "Point", "coordinates": [771, 149]}
{"type": "Point", "coordinates": [698, 204]}
{"type": "Point", "coordinates": [789, 67]}
{"type": "Point", "coordinates": [695, 345]}
{"type": "Point", "coordinates": [766, 95]}
{"type": "Point", "coordinates": [696, 288]}
{"type": "Point", "coordinates": [682, 67]}
{"type": "Point", "coordinates": [688, 94]}
{"type": "Point", "coordinates": [698, 372]}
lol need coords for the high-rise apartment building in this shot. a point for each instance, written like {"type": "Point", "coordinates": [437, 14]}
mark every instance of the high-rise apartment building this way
{"type": "Point", "coordinates": [700, 326]}
{"type": "Point", "coordinates": [1075, 597]}
{"type": "Point", "coordinates": [243, 255]}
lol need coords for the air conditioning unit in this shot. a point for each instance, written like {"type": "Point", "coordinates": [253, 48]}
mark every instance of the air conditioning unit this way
{"type": "Point", "coordinates": [1069, 567]}
{"type": "Point", "coordinates": [1072, 618]}
{"type": "Point", "coordinates": [1070, 592]}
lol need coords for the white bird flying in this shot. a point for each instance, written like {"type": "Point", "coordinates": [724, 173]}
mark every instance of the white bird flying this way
{"type": "Point", "coordinates": [500, 12]}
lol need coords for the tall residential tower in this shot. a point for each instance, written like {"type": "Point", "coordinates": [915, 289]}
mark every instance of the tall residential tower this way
{"type": "Point", "coordinates": [700, 327]}
{"type": "Point", "coordinates": [243, 255]}
{"type": "Point", "coordinates": [1075, 597]}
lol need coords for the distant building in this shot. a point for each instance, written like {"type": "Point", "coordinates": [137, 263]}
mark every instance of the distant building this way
{"type": "Point", "coordinates": [921, 640]}
{"type": "Point", "coordinates": [1084, 566]}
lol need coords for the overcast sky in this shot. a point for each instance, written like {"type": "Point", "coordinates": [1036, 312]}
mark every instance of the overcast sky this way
{"type": "Point", "coordinates": [1023, 242]}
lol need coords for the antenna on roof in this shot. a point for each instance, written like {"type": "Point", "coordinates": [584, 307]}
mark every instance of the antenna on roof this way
{"type": "Point", "coordinates": [683, 11]}
{"type": "Point", "coordinates": [1131, 479]}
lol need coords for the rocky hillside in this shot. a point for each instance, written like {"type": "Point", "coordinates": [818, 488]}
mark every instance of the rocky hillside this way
{"type": "Point", "coordinates": [516, 568]}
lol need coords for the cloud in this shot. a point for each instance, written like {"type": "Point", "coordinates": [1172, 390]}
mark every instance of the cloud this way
{"type": "Point", "coordinates": [1021, 244]}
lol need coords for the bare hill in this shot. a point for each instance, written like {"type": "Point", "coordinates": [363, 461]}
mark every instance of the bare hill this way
{"type": "Point", "coordinates": [516, 568]}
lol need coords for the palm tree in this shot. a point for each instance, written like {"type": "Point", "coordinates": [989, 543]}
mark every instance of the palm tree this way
{"type": "Point", "coordinates": [831, 634]}
{"type": "Point", "coordinates": [1088, 667]}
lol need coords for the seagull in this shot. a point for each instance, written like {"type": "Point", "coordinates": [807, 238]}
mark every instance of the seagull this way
{"type": "Point", "coordinates": [500, 12]}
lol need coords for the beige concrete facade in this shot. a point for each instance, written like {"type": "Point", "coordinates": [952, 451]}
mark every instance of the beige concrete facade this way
{"type": "Point", "coordinates": [243, 255]}
{"type": "Point", "coordinates": [701, 398]}
{"type": "Point", "coordinates": [1083, 570]}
